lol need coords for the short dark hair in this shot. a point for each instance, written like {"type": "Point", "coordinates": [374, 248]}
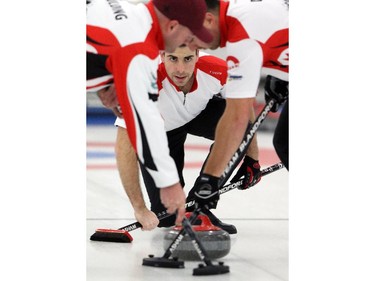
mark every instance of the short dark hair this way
{"type": "Point", "coordinates": [212, 5]}
{"type": "Point", "coordinates": [184, 45]}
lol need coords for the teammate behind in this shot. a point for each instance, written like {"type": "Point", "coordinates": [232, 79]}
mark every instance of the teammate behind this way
{"type": "Point", "coordinates": [256, 37]}
{"type": "Point", "coordinates": [123, 43]}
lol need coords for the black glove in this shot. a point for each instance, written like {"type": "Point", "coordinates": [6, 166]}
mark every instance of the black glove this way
{"type": "Point", "coordinates": [207, 191]}
{"type": "Point", "coordinates": [276, 89]}
{"type": "Point", "coordinates": [250, 169]}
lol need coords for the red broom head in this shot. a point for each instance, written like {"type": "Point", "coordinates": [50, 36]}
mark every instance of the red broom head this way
{"type": "Point", "coordinates": [111, 235]}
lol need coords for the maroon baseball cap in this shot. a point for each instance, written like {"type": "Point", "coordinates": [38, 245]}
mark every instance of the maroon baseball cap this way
{"type": "Point", "coordinates": [189, 13]}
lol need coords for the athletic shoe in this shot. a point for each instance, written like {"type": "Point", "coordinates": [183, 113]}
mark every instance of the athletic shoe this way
{"type": "Point", "coordinates": [230, 228]}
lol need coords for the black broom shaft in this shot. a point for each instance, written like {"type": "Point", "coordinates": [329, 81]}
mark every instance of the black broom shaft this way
{"type": "Point", "coordinates": [181, 234]}
{"type": "Point", "coordinates": [245, 143]}
{"type": "Point", "coordinates": [222, 190]}
{"type": "Point", "coordinates": [196, 242]}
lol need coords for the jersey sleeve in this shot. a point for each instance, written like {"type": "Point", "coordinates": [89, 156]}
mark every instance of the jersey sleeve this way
{"type": "Point", "coordinates": [136, 86]}
{"type": "Point", "coordinates": [244, 68]}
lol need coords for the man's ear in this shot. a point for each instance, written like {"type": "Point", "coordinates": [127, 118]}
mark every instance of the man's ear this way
{"type": "Point", "coordinates": [162, 55]}
{"type": "Point", "coordinates": [209, 18]}
{"type": "Point", "coordinates": [171, 25]}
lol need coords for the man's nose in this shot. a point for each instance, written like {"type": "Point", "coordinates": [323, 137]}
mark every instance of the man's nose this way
{"type": "Point", "coordinates": [180, 67]}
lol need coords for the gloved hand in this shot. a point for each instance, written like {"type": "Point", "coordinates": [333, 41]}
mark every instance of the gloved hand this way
{"type": "Point", "coordinates": [207, 191]}
{"type": "Point", "coordinates": [250, 169]}
{"type": "Point", "coordinates": [276, 89]}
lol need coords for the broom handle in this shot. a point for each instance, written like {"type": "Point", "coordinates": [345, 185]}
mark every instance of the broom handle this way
{"type": "Point", "coordinates": [222, 190]}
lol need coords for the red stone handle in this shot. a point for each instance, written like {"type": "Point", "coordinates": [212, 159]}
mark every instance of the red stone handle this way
{"type": "Point", "coordinates": [206, 224]}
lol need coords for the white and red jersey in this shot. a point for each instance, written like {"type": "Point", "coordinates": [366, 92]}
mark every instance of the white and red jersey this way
{"type": "Point", "coordinates": [177, 108]}
{"type": "Point", "coordinates": [256, 37]}
{"type": "Point", "coordinates": [123, 43]}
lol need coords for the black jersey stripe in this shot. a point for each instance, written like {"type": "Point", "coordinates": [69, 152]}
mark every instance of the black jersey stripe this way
{"type": "Point", "coordinates": [147, 157]}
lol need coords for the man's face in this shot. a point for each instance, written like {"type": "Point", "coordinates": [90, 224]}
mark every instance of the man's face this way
{"type": "Point", "coordinates": [180, 65]}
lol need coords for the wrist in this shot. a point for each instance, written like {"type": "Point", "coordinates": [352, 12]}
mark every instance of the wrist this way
{"type": "Point", "coordinates": [208, 178]}
{"type": "Point", "coordinates": [139, 207]}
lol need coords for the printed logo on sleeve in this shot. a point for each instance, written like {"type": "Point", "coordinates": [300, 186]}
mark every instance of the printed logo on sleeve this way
{"type": "Point", "coordinates": [154, 88]}
{"type": "Point", "coordinates": [234, 77]}
{"type": "Point", "coordinates": [284, 57]}
{"type": "Point", "coordinates": [232, 62]}
{"type": "Point", "coordinates": [154, 84]}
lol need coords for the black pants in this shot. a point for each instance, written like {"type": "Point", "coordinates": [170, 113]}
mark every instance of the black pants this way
{"type": "Point", "coordinates": [204, 125]}
{"type": "Point", "coordinates": [281, 136]}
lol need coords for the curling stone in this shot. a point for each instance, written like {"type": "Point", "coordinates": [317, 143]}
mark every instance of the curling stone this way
{"type": "Point", "coordinates": [215, 241]}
